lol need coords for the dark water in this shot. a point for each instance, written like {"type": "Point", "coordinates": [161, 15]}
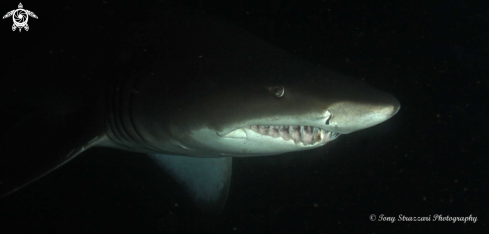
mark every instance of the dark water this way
{"type": "Point", "coordinates": [430, 159]}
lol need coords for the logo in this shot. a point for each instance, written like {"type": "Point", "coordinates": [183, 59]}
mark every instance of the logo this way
{"type": "Point", "coordinates": [20, 17]}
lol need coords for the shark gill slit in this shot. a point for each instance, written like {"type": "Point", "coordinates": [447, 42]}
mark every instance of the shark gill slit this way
{"type": "Point", "coordinates": [133, 94]}
{"type": "Point", "coordinates": [114, 121]}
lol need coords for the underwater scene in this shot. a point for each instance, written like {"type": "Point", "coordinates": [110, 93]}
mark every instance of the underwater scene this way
{"type": "Point", "coordinates": [244, 117]}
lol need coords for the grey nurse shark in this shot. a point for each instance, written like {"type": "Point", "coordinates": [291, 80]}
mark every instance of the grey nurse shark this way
{"type": "Point", "coordinates": [216, 92]}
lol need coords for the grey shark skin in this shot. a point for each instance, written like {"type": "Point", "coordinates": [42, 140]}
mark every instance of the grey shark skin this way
{"type": "Point", "coordinates": [216, 94]}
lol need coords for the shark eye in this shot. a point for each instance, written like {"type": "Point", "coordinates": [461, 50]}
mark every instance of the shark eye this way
{"type": "Point", "coordinates": [279, 91]}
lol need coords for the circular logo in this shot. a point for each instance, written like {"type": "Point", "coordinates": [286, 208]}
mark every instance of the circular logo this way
{"type": "Point", "coordinates": [20, 17]}
{"type": "Point", "coordinates": [373, 217]}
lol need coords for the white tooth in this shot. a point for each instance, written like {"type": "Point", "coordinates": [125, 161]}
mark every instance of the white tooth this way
{"type": "Point", "coordinates": [302, 130]}
{"type": "Point", "coordinates": [255, 128]}
{"type": "Point", "coordinates": [295, 133]}
{"type": "Point", "coordinates": [276, 131]}
{"type": "Point", "coordinates": [315, 131]}
{"type": "Point", "coordinates": [334, 136]}
{"type": "Point", "coordinates": [323, 135]}
{"type": "Point", "coordinates": [290, 130]}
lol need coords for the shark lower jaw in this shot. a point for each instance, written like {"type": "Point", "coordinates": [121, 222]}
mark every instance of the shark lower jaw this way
{"type": "Point", "coordinates": [299, 135]}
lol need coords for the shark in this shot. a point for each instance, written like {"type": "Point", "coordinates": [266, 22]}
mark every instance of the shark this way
{"type": "Point", "coordinates": [215, 92]}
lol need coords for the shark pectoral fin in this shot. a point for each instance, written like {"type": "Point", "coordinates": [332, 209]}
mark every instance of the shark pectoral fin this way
{"type": "Point", "coordinates": [206, 180]}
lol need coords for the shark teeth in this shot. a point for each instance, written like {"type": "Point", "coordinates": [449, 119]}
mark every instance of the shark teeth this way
{"type": "Point", "coordinates": [306, 135]}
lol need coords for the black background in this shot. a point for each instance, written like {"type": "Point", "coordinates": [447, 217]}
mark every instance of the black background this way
{"type": "Point", "coordinates": [431, 158]}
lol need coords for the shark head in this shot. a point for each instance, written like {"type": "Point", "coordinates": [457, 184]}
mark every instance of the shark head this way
{"type": "Point", "coordinates": [284, 115]}
{"type": "Point", "coordinates": [243, 97]}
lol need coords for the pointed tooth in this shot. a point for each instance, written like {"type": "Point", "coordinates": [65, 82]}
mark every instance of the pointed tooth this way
{"type": "Point", "coordinates": [316, 135]}
{"type": "Point", "coordinates": [255, 128]}
{"type": "Point", "coordinates": [273, 131]}
{"type": "Point", "coordinates": [302, 134]}
{"type": "Point", "coordinates": [330, 134]}
{"type": "Point", "coordinates": [334, 135]}
{"type": "Point", "coordinates": [322, 137]}
{"type": "Point", "coordinates": [276, 131]}
{"type": "Point", "coordinates": [296, 133]}
{"type": "Point", "coordinates": [284, 133]}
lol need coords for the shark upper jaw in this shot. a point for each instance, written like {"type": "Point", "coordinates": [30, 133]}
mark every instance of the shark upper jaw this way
{"type": "Point", "coordinates": [298, 135]}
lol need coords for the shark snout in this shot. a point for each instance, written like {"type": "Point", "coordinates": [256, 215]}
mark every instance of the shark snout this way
{"type": "Point", "coordinates": [395, 105]}
{"type": "Point", "coordinates": [376, 113]}
{"type": "Point", "coordinates": [353, 116]}
{"type": "Point", "coordinates": [384, 111]}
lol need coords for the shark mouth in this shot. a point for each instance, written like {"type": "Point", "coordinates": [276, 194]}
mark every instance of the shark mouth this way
{"type": "Point", "coordinates": [306, 135]}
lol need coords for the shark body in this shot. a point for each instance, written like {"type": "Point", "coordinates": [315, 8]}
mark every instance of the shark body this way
{"type": "Point", "coordinates": [215, 93]}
